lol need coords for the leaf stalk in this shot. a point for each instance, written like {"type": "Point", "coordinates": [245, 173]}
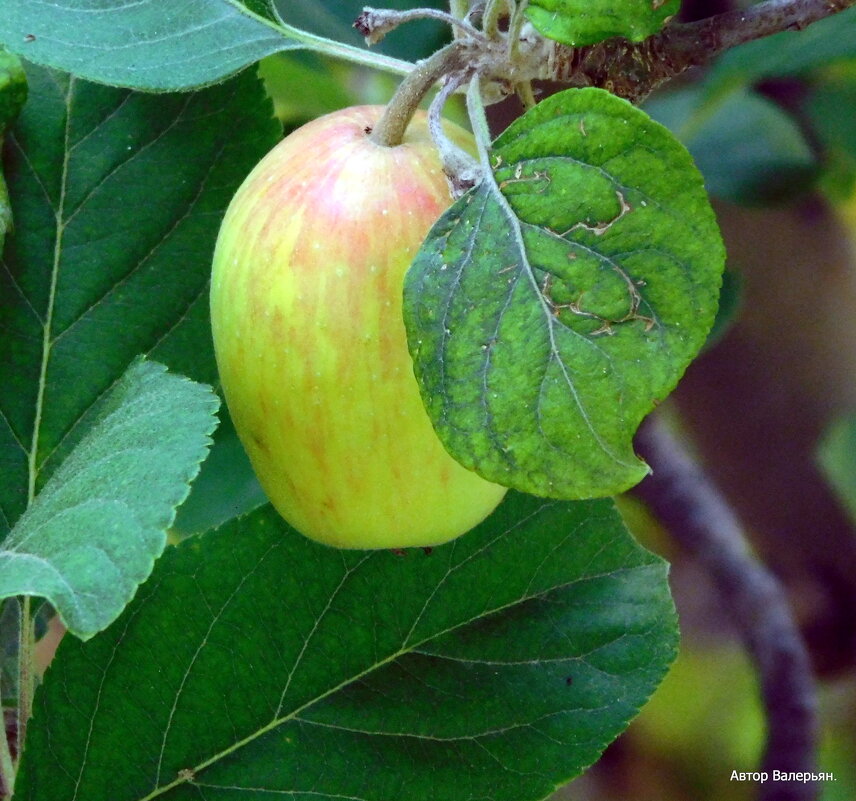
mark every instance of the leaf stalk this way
{"type": "Point", "coordinates": [26, 671]}
{"type": "Point", "coordinates": [478, 119]}
{"type": "Point", "coordinates": [329, 47]}
{"type": "Point", "coordinates": [462, 171]}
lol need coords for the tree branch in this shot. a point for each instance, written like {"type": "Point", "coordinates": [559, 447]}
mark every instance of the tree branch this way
{"type": "Point", "coordinates": [633, 69]}
{"type": "Point", "coordinates": [684, 499]}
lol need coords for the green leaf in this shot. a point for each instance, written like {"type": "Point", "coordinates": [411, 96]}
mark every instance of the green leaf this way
{"type": "Point", "coordinates": [585, 22]}
{"type": "Point", "coordinates": [91, 536]}
{"type": "Point", "coordinates": [749, 150]}
{"type": "Point", "coordinates": [13, 88]}
{"type": "Point", "coordinates": [828, 41]}
{"type": "Point", "coordinates": [829, 110]}
{"type": "Point", "coordinates": [303, 88]}
{"type": "Point", "coordinates": [830, 107]}
{"type": "Point", "coordinates": [117, 199]}
{"type": "Point", "coordinates": [226, 487]}
{"type": "Point", "coordinates": [258, 664]}
{"type": "Point", "coordinates": [145, 44]}
{"type": "Point", "coordinates": [263, 8]}
{"type": "Point", "coordinates": [157, 46]}
{"type": "Point", "coordinates": [551, 308]}
{"type": "Point", "coordinates": [13, 95]}
{"type": "Point", "coordinates": [836, 454]}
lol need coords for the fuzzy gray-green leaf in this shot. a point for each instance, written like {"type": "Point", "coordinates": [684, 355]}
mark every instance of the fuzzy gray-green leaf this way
{"type": "Point", "coordinates": [147, 44]}
{"type": "Point", "coordinates": [92, 534]}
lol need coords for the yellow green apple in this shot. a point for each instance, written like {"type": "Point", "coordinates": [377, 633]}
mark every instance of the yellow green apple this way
{"type": "Point", "coordinates": [306, 311]}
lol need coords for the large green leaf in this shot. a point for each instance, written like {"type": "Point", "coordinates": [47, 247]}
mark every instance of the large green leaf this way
{"type": "Point", "coordinates": [257, 664]}
{"type": "Point", "coordinates": [155, 45]}
{"type": "Point", "coordinates": [92, 534]}
{"type": "Point", "coordinates": [145, 44]}
{"type": "Point", "coordinates": [117, 199]}
{"type": "Point", "coordinates": [584, 22]}
{"type": "Point", "coordinates": [551, 308]}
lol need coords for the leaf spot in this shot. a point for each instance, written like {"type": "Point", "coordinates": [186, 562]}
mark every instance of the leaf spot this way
{"type": "Point", "coordinates": [606, 323]}
{"type": "Point", "coordinates": [599, 229]}
{"type": "Point", "coordinates": [519, 178]}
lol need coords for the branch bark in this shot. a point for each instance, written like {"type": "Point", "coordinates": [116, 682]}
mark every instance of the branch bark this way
{"type": "Point", "coordinates": [680, 494]}
{"type": "Point", "coordinates": [633, 69]}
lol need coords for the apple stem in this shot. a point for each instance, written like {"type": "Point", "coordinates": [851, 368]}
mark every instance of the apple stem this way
{"type": "Point", "coordinates": [389, 132]}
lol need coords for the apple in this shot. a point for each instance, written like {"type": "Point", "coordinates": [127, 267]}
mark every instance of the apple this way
{"type": "Point", "coordinates": [306, 311]}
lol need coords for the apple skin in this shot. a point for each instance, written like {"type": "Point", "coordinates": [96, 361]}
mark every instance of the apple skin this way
{"type": "Point", "coordinates": [306, 312]}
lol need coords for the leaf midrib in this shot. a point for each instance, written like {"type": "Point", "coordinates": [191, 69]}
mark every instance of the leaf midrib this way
{"type": "Point", "coordinates": [514, 224]}
{"type": "Point", "coordinates": [47, 327]}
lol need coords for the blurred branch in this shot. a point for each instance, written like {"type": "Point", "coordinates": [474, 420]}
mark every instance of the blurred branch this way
{"type": "Point", "coordinates": [699, 517]}
{"type": "Point", "coordinates": [634, 69]}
